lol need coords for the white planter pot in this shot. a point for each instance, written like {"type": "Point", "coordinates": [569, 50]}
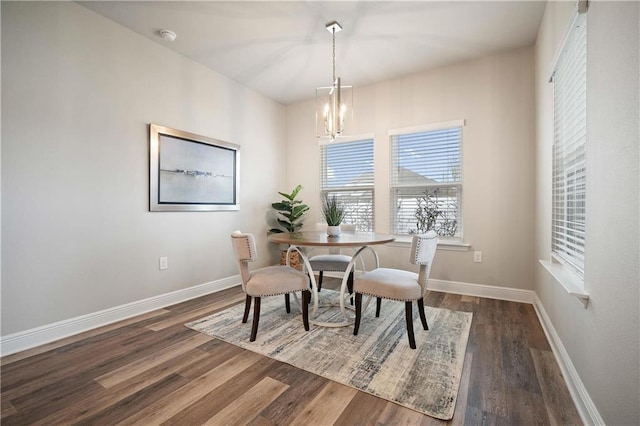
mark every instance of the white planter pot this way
{"type": "Point", "coordinates": [333, 231]}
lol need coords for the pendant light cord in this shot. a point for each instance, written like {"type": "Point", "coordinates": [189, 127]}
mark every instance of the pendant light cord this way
{"type": "Point", "coordinates": [333, 31]}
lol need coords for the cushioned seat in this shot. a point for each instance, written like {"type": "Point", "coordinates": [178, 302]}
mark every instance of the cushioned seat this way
{"type": "Point", "coordinates": [332, 262]}
{"type": "Point", "coordinates": [274, 280]}
{"type": "Point", "coordinates": [391, 284]}
{"type": "Point", "coordinates": [396, 284]}
{"type": "Point", "coordinates": [269, 281]}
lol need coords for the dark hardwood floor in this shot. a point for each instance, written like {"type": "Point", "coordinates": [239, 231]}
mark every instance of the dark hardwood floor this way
{"type": "Point", "coordinates": [152, 370]}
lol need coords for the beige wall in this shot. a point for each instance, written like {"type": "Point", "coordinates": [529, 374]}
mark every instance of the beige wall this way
{"type": "Point", "coordinates": [495, 97]}
{"type": "Point", "coordinates": [78, 92]}
{"type": "Point", "coordinates": [602, 340]}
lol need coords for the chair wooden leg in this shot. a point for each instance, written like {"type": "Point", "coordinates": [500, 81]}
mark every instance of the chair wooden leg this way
{"type": "Point", "coordinates": [409, 312]}
{"type": "Point", "coordinates": [320, 281]}
{"type": "Point", "coordinates": [256, 318]}
{"type": "Point", "coordinates": [350, 285]}
{"type": "Point", "coordinates": [306, 296]}
{"type": "Point", "coordinates": [423, 317]}
{"type": "Point", "coordinates": [356, 324]}
{"type": "Point", "coordinates": [378, 305]}
{"type": "Point", "coordinates": [247, 307]}
{"type": "Point", "coordinates": [287, 303]}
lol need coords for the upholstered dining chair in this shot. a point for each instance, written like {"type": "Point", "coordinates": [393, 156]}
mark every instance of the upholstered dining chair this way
{"type": "Point", "coordinates": [333, 261]}
{"type": "Point", "coordinates": [268, 281]}
{"type": "Point", "coordinates": [400, 285]}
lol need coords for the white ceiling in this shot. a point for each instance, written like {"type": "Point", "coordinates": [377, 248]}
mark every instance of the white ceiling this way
{"type": "Point", "coordinates": [282, 49]}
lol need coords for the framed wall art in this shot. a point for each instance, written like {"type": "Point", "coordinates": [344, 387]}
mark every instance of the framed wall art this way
{"type": "Point", "coordinates": [189, 172]}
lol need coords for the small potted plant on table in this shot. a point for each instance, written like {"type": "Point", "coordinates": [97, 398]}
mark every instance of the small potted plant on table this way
{"type": "Point", "coordinates": [333, 212]}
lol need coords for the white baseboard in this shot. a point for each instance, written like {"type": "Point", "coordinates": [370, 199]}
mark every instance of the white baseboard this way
{"type": "Point", "coordinates": [586, 408]}
{"type": "Point", "coordinates": [481, 290]}
{"type": "Point", "coordinates": [27, 339]}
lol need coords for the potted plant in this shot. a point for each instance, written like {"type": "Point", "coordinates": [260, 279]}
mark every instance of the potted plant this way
{"type": "Point", "coordinates": [290, 214]}
{"type": "Point", "coordinates": [290, 210]}
{"type": "Point", "coordinates": [333, 213]}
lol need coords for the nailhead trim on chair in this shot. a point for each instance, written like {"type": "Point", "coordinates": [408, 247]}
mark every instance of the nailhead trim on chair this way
{"type": "Point", "coordinates": [386, 298]}
{"type": "Point", "coordinates": [418, 243]}
{"type": "Point", "coordinates": [274, 294]}
{"type": "Point", "coordinates": [246, 240]}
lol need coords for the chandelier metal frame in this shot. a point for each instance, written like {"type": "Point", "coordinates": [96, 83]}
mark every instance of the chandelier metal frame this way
{"type": "Point", "coordinates": [333, 103]}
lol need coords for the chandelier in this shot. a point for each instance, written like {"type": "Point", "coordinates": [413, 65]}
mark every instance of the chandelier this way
{"type": "Point", "coordinates": [333, 103]}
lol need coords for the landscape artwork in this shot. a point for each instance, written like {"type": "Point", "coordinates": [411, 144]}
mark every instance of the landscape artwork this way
{"type": "Point", "coordinates": [191, 172]}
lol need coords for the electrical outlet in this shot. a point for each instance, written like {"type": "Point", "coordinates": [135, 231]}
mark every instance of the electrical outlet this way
{"type": "Point", "coordinates": [164, 263]}
{"type": "Point", "coordinates": [477, 256]}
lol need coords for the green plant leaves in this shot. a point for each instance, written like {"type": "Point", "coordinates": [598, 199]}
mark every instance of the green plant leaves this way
{"type": "Point", "coordinates": [298, 211]}
{"type": "Point", "coordinates": [290, 210]}
{"type": "Point", "coordinates": [295, 191]}
{"type": "Point", "coordinates": [333, 211]}
{"type": "Point", "coordinates": [292, 196]}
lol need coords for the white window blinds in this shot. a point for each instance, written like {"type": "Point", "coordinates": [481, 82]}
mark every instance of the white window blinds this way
{"type": "Point", "coordinates": [569, 178]}
{"type": "Point", "coordinates": [426, 181]}
{"type": "Point", "coordinates": [347, 173]}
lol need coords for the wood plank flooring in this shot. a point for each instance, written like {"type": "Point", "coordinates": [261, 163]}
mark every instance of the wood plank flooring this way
{"type": "Point", "coordinates": [152, 370]}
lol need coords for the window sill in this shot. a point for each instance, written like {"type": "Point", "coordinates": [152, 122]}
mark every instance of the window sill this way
{"type": "Point", "coordinates": [451, 245]}
{"type": "Point", "coordinates": [568, 280]}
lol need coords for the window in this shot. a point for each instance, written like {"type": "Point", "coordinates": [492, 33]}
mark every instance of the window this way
{"type": "Point", "coordinates": [347, 173]}
{"type": "Point", "coordinates": [569, 186]}
{"type": "Point", "coordinates": [426, 180]}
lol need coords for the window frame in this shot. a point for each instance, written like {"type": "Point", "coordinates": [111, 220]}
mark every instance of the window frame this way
{"type": "Point", "coordinates": [394, 187]}
{"type": "Point", "coordinates": [563, 257]}
{"type": "Point", "coordinates": [324, 145]}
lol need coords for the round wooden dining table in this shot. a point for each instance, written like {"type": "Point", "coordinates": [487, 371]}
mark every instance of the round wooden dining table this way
{"type": "Point", "coordinates": [360, 241]}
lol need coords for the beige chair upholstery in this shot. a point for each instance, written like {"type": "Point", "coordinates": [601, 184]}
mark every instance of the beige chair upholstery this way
{"type": "Point", "coordinates": [333, 261]}
{"type": "Point", "coordinates": [269, 281]}
{"type": "Point", "coordinates": [396, 284]}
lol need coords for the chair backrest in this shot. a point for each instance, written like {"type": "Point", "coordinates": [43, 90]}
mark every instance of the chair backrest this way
{"type": "Point", "coordinates": [244, 247]}
{"type": "Point", "coordinates": [423, 250]}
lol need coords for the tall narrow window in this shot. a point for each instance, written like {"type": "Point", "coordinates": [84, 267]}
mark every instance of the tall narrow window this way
{"type": "Point", "coordinates": [569, 178]}
{"type": "Point", "coordinates": [347, 173]}
{"type": "Point", "coordinates": [426, 180]}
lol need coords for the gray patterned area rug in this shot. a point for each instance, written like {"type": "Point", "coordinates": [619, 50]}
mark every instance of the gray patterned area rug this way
{"type": "Point", "coordinates": [377, 361]}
